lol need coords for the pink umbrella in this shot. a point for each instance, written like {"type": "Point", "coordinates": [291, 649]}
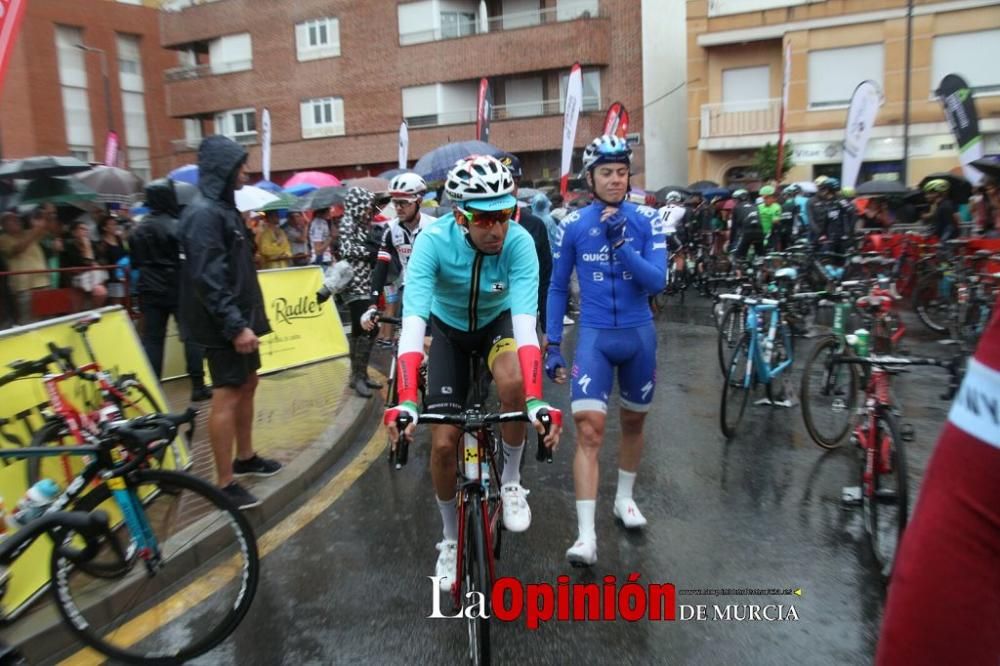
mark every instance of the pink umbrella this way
{"type": "Point", "coordinates": [316, 178]}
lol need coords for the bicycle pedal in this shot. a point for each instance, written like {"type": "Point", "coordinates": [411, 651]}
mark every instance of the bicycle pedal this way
{"type": "Point", "coordinates": [907, 432]}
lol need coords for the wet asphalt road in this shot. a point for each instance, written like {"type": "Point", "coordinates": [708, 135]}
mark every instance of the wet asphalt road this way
{"type": "Point", "coordinates": [762, 511]}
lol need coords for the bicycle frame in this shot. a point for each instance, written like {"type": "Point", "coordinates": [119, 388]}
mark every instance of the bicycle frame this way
{"type": "Point", "coordinates": [877, 400]}
{"type": "Point", "coordinates": [759, 363]}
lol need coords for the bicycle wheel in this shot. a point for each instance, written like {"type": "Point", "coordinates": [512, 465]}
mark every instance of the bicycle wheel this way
{"type": "Point", "coordinates": [736, 387]}
{"type": "Point", "coordinates": [731, 331]}
{"type": "Point", "coordinates": [886, 506]}
{"type": "Point", "coordinates": [828, 394]}
{"type": "Point", "coordinates": [476, 579]}
{"type": "Point", "coordinates": [197, 529]}
{"type": "Point", "coordinates": [931, 299]}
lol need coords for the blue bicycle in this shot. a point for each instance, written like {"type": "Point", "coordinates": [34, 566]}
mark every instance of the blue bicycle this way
{"type": "Point", "coordinates": [763, 353]}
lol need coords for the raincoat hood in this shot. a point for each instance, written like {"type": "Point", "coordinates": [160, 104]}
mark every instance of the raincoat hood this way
{"type": "Point", "coordinates": [161, 197]}
{"type": "Point", "coordinates": [218, 160]}
{"type": "Point", "coordinates": [358, 205]}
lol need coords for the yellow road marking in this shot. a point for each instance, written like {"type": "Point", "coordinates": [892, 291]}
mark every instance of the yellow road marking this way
{"type": "Point", "coordinates": [201, 588]}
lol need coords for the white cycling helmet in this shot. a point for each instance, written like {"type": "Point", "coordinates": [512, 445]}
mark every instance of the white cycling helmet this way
{"type": "Point", "coordinates": [407, 185]}
{"type": "Point", "coordinates": [674, 197]}
{"type": "Point", "coordinates": [481, 182]}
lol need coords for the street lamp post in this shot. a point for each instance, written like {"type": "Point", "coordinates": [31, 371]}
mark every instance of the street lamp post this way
{"type": "Point", "coordinates": [107, 82]}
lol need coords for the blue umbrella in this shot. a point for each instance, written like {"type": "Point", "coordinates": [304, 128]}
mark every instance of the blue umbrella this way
{"type": "Point", "coordinates": [392, 173]}
{"type": "Point", "coordinates": [716, 193]}
{"type": "Point", "coordinates": [436, 164]}
{"type": "Point", "coordinates": [301, 189]}
{"type": "Point", "coordinates": [267, 185]}
{"type": "Point", "coordinates": [185, 174]}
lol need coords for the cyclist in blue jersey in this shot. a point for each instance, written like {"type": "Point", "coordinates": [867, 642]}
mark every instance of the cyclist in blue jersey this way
{"type": "Point", "coordinates": [619, 252]}
{"type": "Point", "coordinates": [473, 277]}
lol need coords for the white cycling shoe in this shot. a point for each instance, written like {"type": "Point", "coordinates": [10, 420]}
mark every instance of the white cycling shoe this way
{"type": "Point", "coordinates": [516, 512]}
{"type": "Point", "coordinates": [446, 568]}
{"type": "Point", "coordinates": [582, 553]}
{"type": "Point", "coordinates": [627, 512]}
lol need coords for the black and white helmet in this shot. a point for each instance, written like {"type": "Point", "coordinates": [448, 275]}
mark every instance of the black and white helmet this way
{"type": "Point", "coordinates": [407, 185]}
{"type": "Point", "coordinates": [479, 178]}
{"type": "Point", "coordinates": [674, 197]}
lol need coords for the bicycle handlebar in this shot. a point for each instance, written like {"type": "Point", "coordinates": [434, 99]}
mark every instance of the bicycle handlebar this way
{"type": "Point", "coordinates": [144, 435]}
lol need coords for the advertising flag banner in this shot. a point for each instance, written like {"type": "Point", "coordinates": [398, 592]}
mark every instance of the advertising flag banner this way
{"type": "Point", "coordinates": [484, 108]}
{"type": "Point", "coordinates": [11, 13]}
{"type": "Point", "coordinates": [265, 146]}
{"type": "Point", "coordinates": [111, 149]}
{"type": "Point", "coordinates": [404, 144]}
{"type": "Point", "coordinates": [574, 98]}
{"type": "Point", "coordinates": [860, 120]}
{"type": "Point", "coordinates": [959, 109]}
{"type": "Point", "coordinates": [616, 120]}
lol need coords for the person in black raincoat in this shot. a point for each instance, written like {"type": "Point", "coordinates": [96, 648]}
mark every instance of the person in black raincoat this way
{"type": "Point", "coordinates": [156, 254]}
{"type": "Point", "coordinates": [222, 309]}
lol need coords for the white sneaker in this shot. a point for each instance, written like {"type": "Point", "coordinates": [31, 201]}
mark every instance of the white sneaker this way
{"type": "Point", "coordinates": [516, 512]}
{"type": "Point", "coordinates": [582, 553]}
{"type": "Point", "coordinates": [446, 568]}
{"type": "Point", "coordinates": [627, 512]}
{"type": "Point", "coordinates": [567, 321]}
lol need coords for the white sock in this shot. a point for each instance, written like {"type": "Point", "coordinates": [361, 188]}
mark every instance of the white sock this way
{"type": "Point", "coordinates": [512, 463]}
{"type": "Point", "coordinates": [449, 518]}
{"type": "Point", "coordinates": [585, 510]}
{"type": "Point", "coordinates": [625, 482]}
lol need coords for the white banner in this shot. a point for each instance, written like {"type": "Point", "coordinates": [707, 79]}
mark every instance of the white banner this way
{"type": "Point", "coordinates": [404, 144]}
{"type": "Point", "coordinates": [860, 121]}
{"type": "Point", "coordinates": [786, 82]}
{"type": "Point", "coordinates": [265, 146]}
{"type": "Point", "coordinates": [574, 98]}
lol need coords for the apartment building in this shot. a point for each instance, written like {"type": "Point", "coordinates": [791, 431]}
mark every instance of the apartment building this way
{"type": "Point", "coordinates": [735, 70]}
{"type": "Point", "coordinates": [338, 76]}
{"type": "Point", "coordinates": [80, 67]}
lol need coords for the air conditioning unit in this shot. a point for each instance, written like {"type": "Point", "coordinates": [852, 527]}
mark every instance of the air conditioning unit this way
{"type": "Point", "coordinates": [633, 138]}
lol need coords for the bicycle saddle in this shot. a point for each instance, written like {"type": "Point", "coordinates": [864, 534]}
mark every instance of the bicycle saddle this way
{"type": "Point", "coordinates": [85, 322]}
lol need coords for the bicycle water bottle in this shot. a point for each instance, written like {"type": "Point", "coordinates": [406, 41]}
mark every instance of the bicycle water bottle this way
{"type": "Point", "coordinates": [471, 455]}
{"type": "Point", "coordinates": [35, 501]}
{"type": "Point", "coordinates": [863, 340]}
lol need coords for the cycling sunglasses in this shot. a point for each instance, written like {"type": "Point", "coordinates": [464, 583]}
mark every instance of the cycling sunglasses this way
{"type": "Point", "coordinates": [403, 202]}
{"type": "Point", "coordinates": [485, 219]}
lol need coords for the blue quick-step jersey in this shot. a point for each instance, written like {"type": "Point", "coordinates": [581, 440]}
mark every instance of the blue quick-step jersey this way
{"type": "Point", "coordinates": [615, 286]}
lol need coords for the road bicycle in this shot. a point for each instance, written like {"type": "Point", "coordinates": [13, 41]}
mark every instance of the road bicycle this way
{"type": "Point", "coordinates": [480, 504]}
{"type": "Point", "coordinates": [763, 353]}
{"type": "Point", "coordinates": [883, 492]}
{"type": "Point", "coordinates": [125, 535]}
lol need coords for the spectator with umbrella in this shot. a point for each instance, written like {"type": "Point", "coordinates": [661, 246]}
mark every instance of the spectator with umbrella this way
{"type": "Point", "coordinates": [942, 217]}
{"type": "Point", "coordinates": [79, 252]}
{"type": "Point", "coordinates": [273, 247]}
{"type": "Point", "coordinates": [22, 251]}
{"type": "Point", "coordinates": [111, 251]}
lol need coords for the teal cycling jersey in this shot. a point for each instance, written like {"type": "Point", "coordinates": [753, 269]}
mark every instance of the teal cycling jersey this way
{"type": "Point", "coordinates": [466, 289]}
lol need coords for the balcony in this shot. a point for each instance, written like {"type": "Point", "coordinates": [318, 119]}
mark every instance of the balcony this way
{"type": "Point", "coordinates": [504, 22]}
{"type": "Point", "coordinates": [741, 119]}
{"type": "Point", "coordinates": [181, 5]}
{"type": "Point", "coordinates": [189, 72]}
{"type": "Point", "coordinates": [533, 109]}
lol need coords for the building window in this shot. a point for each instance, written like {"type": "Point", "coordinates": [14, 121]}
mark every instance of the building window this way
{"type": "Point", "coordinates": [73, 81]}
{"type": "Point", "coordinates": [239, 125]}
{"type": "Point", "coordinates": [567, 10]}
{"type": "Point", "coordinates": [951, 55]}
{"type": "Point", "coordinates": [323, 116]}
{"type": "Point", "coordinates": [746, 88]}
{"type": "Point", "coordinates": [232, 53]}
{"type": "Point", "coordinates": [319, 38]}
{"type": "Point", "coordinates": [82, 153]}
{"type": "Point", "coordinates": [457, 24]}
{"type": "Point", "coordinates": [591, 90]}
{"type": "Point", "coordinates": [138, 162]}
{"type": "Point", "coordinates": [440, 103]}
{"type": "Point", "coordinates": [835, 73]}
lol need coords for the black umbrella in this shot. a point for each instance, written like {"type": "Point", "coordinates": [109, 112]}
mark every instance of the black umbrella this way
{"type": "Point", "coordinates": [37, 167]}
{"type": "Point", "coordinates": [702, 185]}
{"type": "Point", "coordinates": [960, 191]}
{"type": "Point", "coordinates": [113, 185]}
{"type": "Point", "coordinates": [436, 164]}
{"type": "Point", "coordinates": [988, 165]}
{"type": "Point", "coordinates": [325, 197]}
{"type": "Point", "coordinates": [392, 173]}
{"type": "Point", "coordinates": [57, 191]}
{"type": "Point", "coordinates": [879, 188]}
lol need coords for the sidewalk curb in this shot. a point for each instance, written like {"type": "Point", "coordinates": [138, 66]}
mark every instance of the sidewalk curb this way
{"type": "Point", "coordinates": [41, 636]}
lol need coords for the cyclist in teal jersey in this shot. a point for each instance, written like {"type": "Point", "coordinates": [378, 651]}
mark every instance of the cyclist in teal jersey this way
{"type": "Point", "coordinates": [473, 277]}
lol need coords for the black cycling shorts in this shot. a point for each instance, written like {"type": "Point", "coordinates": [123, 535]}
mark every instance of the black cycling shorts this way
{"type": "Point", "coordinates": [228, 367]}
{"type": "Point", "coordinates": [448, 362]}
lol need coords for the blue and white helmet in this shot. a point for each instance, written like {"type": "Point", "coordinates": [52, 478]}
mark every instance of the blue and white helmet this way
{"type": "Point", "coordinates": [481, 182]}
{"type": "Point", "coordinates": [606, 149]}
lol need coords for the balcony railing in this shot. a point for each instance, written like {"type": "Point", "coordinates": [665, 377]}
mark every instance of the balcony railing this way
{"type": "Point", "coordinates": [180, 5]}
{"type": "Point", "coordinates": [188, 72]}
{"type": "Point", "coordinates": [508, 21]}
{"type": "Point", "coordinates": [733, 119]}
{"type": "Point", "coordinates": [533, 109]}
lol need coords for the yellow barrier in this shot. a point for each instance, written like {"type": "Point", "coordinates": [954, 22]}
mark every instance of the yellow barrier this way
{"type": "Point", "coordinates": [117, 349]}
{"type": "Point", "coordinates": [303, 331]}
